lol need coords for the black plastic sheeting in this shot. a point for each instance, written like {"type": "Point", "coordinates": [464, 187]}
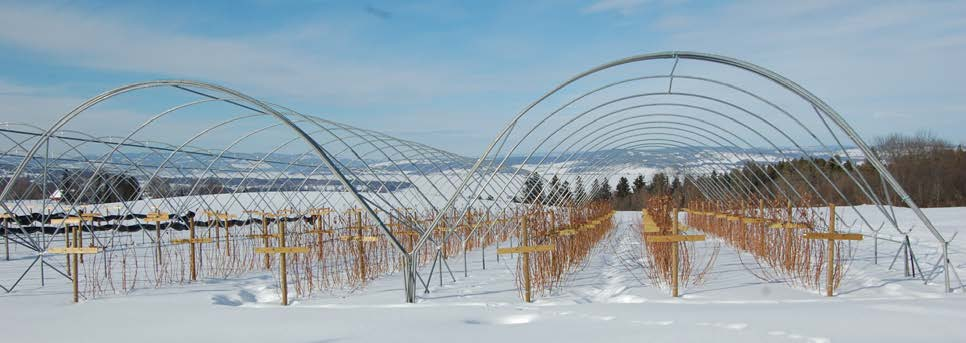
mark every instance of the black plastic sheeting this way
{"type": "Point", "coordinates": [28, 223]}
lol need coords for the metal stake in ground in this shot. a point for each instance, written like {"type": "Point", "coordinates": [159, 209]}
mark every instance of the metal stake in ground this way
{"type": "Point", "coordinates": [524, 250]}
{"type": "Point", "coordinates": [282, 250]}
{"type": "Point", "coordinates": [831, 236]}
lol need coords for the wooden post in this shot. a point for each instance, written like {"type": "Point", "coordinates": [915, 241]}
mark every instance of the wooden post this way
{"type": "Point", "coordinates": [674, 254]}
{"type": "Point", "coordinates": [362, 249]}
{"type": "Point", "coordinates": [831, 250]}
{"type": "Point", "coordinates": [266, 241]}
{"type": "Point", "coordinates": [283, 262]}
{"type": "Point", "coordinates": [524, 250]}
{"type": "Point", "coordinates": [157, 241]}
{"type": "Point", "coordinates": [6, 237]}
{"type": "Point", "coordinates": [226, 217]}
{"type": "Point", "coordinates": [318, 226]}
{"type": "Point", "coordinates": [157, 217]}
{"type": "Point", "coordinates": [191, 245]}
{"type": "Point", "coordinates": [761, 208]}
{"type": "Point", "coordinates": [525, 241]}
{"type": "Point", "coordinates": [73, 253]}
{"type": "Point", "coordinates": [652, 235]}
{"type": "Point", "coordinates": [67, 244]}
{"type": "Point", "coordinates": [217, 229]}
{"type": "Point", "coordinates": [79, 237]}
{"type": "Point", "coordinates": [282, 250]}
{"type": "Point", "coordinates": [74, 273]}
{"type": "Point", "coordinates": [832, 236]}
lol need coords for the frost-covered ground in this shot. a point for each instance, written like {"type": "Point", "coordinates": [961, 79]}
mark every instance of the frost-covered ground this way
{"type": "Point", "coordinates": [608, 300]}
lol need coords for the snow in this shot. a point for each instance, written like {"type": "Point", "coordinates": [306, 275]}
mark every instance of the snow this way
{"type": "Point", "coordinates": [608, 299]}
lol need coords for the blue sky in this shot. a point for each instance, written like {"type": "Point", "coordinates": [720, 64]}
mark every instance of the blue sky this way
{"type": "Point", "coordinates": [452, 73]}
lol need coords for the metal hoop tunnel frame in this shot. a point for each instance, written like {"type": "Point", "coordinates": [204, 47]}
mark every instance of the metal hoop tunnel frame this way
{"type": "Point", "coordinates": [452, 183]}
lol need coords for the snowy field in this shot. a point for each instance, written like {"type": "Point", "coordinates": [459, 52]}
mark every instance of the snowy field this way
{"type": "Point", "coordinates": [608, 300]}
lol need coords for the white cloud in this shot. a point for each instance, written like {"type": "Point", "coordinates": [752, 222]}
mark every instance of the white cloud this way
{"type": "Point", "coordinates": [287, 64]}
{"type": "Point", "coordinates": [865, 60]}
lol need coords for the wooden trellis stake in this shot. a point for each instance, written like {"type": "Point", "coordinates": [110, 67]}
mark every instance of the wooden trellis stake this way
{"type": "Point", "coordinates": [831, 236]}
{"type": "Point", "coordinates": [191, 241]}
{"type": "Point", "coordinates": [265, 236]}
{"type": "Point", "coordinates": [225, 218]}
{"type": "Point", "coordinates": [67, 236]}
{"type": "Point", "coordinates": [6, 234]}
{"type": "Point", "coordinates": [363, 268]}
{"type": "Point", "coordinates": [525, 250]}
{"type": "Point", "coordinates": [73, 252]}
{"type": "Point", "coordinates": [282, 250]}
{"type": "Point", "coordinates": [157, 218]}
{"type": "Point", "coordinates": [674, 238]}
{"type": "Point", "coordinates": [319, 229]}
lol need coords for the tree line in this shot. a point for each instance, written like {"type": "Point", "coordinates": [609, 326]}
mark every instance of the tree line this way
{"type": "Point", "coordinates": [931, 170]}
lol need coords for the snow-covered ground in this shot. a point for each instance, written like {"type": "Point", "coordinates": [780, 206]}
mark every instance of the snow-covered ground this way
{"type": "Point", "coordinates": [608, 299]}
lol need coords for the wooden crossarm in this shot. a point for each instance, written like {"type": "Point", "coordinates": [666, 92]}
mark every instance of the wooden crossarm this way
{"type": "Point", "coordinates": [673, 238]}
{"type": "Point", "coordinates": [320, 231]}
{"type": "Point", "coordinates": [787, 226]}
{"type": "Point", "coordinates": [567, 232]}
{"type": "Point", "coordinates": [188, 240]}
{"type": "Point", "coordinates": [157, 217]}
{"type": "Point", "coordinates": [264, 235]}
{"type": "Point", "coordinates": [526, 249]}
{"type": "Point", "coordinates": [282, 250]}
{"type": "Point", "coordinates": [749, 220]}
{"type": "Point", "coordinates": [357, 238]}
{"type": "Point", "coordinates": [225, 216]}
{"type": "Point", "coordinates": [834, 236]}
{"type": "Point", "coordinates": [90, 216]}
{"type": "Point", "coordinates": [82, 250]}
{"type": "Point", "coordinates": [65, 221]}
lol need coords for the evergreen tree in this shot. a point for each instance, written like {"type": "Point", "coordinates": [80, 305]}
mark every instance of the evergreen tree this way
{"type": "Point", "coordinates": [659, 184]}
{"type": "Point", "coordinates": [565, 197]}
{"type": "Point", "coordinates": [623, 188]}
{"type": "Point", "coordinates": [554, 193]}
{"type": "Point", "coordinates": [639, 184]}
{"type": "Point", "coordinates": [604, 191]}
{"type": "Point", "coordinates": [533, 189]}
{"type": "Point", "coordinates": [579, 194]}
